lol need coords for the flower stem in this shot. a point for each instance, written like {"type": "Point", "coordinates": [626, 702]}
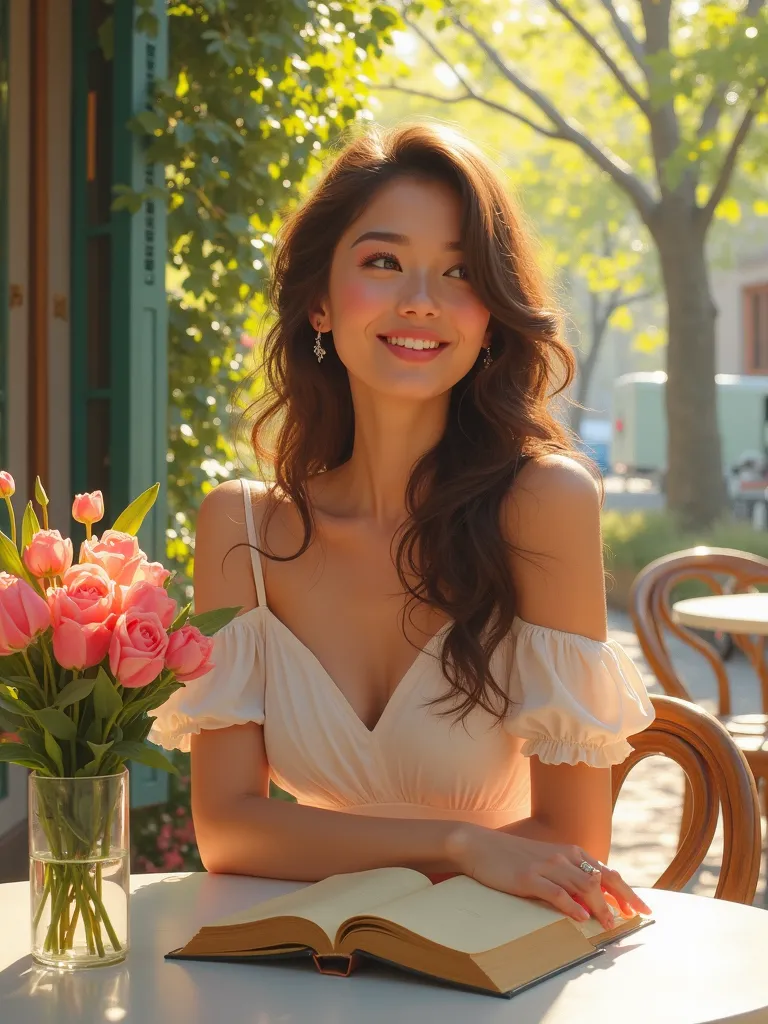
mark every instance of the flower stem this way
{"type": "Point", "coordinates": [12, 517]}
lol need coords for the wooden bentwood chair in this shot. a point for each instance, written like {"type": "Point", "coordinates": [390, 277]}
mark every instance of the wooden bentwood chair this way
{"type": "Point", "coordinates": [718, 778]}
{"type": "Point", "coordinates": [723, 570]}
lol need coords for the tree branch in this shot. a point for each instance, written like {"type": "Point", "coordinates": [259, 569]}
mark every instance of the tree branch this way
{"type": "Point", "coordinates": [632, 44]}
{"type": "Point", "coordinates": [729, 163]}
{"type": "Point", "coordinates": [617, 168]}
{"type": "Point", "coordinates": [499, 107]}
{"type": "Point", "coordinates": [609, 62]}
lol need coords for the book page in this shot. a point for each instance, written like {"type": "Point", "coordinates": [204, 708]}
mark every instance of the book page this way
{"type": "Point", "coordinates": [467, 916]}
{"type": "Point", "coordinates": [328, 902]}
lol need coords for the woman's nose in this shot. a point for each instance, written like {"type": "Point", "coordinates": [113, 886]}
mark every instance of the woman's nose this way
{"type": "Point", "coordinates": [418, 298]}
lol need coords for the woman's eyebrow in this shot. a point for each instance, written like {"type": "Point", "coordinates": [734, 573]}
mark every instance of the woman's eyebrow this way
{"type": "Point", "coordinates": [397, 239]}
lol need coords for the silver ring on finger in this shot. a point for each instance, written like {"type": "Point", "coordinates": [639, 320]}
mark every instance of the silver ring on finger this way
{"type": "Point", "coordinates": [590, 869]}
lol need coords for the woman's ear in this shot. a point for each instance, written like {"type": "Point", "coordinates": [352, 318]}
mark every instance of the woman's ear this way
{"type": "Point", "coordinates": [318, 317]}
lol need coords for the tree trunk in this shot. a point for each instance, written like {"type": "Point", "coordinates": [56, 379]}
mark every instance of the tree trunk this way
{"type": "Point", "coordinates": [695, 486]}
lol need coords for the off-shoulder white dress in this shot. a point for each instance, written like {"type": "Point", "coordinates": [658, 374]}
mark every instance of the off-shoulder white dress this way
{"type": "Point", "coordinates": [577, 700]}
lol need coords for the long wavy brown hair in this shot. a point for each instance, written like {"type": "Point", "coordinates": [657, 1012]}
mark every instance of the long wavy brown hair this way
{"type": "Point", "coordinates": [452, 542]}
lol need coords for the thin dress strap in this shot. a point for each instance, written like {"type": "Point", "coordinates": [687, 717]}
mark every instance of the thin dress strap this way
{"type": "Point", "coordinates": [253, 540]}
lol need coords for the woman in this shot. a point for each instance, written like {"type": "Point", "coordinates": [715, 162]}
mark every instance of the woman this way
{"type": "Point", "coordinates": [470, 728]}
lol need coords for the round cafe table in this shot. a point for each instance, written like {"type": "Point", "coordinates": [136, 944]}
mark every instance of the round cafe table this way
{"type": "Point", "coordinates": [702, 960]}
{"type": "Point", "coordinates": [732, 613]}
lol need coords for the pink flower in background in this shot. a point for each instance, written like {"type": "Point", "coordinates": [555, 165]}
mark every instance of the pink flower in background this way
{"type": "Point", "coordinates": [23, 614]}
{"type": "Point", "coordinates": [172, 861]}
{"type": "Point", "coordinates": [188, 654]}
{"type": "Point", "coordinates": [7, 485]}
{"type": "Point", "coordinates": [117, 553]}
{"type": "Point", "coordinates": [247, 340]}
{"type": "Point", "coordinates": [146, 597]}
{"type": "Point", "coordinates": [81, 646]}
{"type": "Point", "coordinates": [137, 650]}
{"type": "Point", "coordinates": [48, 554]}
{"type": "Point", "coordinates": [153, 572]}
{"type": "Point", "coordinates": [87, 595]}
{"type": "Point", "coordinates": [88, 508]}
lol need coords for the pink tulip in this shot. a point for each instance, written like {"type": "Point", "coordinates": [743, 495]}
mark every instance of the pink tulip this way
{"type": "Point", "coordinates": [146, 597]}
{"type": "Point", "coordinates": [188, 654]}
{"type": "Point", "coordinates": [152, 572]}
{"type": "Point", "coordinates": [82, 646]}
{"type": "Point", "coordinates": [23, 614]}
{"type": "Point", "coordinates": [87, 596]}
{"type": "Point", "coordinates": [7, 485]}
{"type": "Point", "coordinates": [117, 553]}
{"type": "Point", "coordinates": [88, 508]}
{"type": "Point", "coordinates": [137, 650]}
{"type": "Point", "coordinates": [48, 554]}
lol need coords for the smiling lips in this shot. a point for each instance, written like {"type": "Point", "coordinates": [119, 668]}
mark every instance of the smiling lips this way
{"type": "Point", "coordinates": [421, 346]}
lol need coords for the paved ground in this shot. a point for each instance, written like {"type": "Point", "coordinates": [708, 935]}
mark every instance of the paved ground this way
{"type": "Point", "coordinates": [647, 815]}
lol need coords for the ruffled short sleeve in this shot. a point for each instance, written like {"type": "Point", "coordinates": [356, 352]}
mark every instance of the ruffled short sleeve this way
{"type": "Point", "coordinates": [577, 699]}
{"type": "Point", "coordinates": [232, 693]}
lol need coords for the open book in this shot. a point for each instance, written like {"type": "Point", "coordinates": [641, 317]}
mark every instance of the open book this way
{"type": "Point", "coordinates": [458, 931]}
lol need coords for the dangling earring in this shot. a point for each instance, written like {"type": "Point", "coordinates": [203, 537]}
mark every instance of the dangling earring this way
{"type": "Point", "coordinates": [319, 350]}
{"type": "Point", "coordinates": [487, 358]}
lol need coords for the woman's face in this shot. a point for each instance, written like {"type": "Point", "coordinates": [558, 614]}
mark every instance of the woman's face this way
{"type": "Point", "coordinates": [405, 318]}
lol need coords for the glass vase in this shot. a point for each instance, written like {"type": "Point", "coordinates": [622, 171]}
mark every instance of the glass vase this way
{"type": "Point", "coordinates": [79, 868]}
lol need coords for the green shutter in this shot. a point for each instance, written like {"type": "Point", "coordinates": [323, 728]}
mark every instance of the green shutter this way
{"type": "Point", "coordinates": [140, 350]}
{"type": "Point", "coordinates": [139, 339]}
{"type": "Point", "coordinates": [119, 321]}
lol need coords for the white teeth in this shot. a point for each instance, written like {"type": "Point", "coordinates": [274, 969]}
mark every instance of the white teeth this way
{"type": "Point", "coordinates": [417, 343]}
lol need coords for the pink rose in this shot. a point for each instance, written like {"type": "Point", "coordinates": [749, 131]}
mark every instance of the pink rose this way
{"type": "Point", "coordinates": [88, 508]}
{"type": "Point", "coordinates": [146, 597]}
{"type": "Point", "coordinates": [137, 650]}
{"type": "Point", "coordinates": [82, 646]}
{"type": "Point", "coordinates": [188, 653]}
{"type": "Point", "coordinates": [87, 595]}
{"type": "Point", "coordinates": [23, 614]}
{"type": "Point", "coordinates": [7, 485]}
{"type": "Point", "coordinates": [48, 554]}
{"type": "Point", "coordinates": [117, 553]}
{"type": "Point", "coordinates": [152, 572]}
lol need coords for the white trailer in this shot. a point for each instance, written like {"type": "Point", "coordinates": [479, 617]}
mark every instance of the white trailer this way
{"type": "Point", "coordinates": [639, 439]}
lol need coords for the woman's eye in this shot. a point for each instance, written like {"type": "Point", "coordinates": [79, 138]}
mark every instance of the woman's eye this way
{"type": "Point", "coordinates": [377, 259]}
{"type": "Point", "coordinates": [463, 269]}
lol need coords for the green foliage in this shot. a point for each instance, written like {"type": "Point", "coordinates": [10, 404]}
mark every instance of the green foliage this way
{"type": "Point", "coordinates": [257, 93]}
{"type": "Point", "coordinates": [633, 539]}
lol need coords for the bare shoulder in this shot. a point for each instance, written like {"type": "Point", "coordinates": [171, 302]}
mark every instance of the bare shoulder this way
{"type": "Point", "coordinates": [551, 519]}
{"type": "Point", "coordinates": [222, 559]}
{"type": "Point", "coordinates": [551, 494]}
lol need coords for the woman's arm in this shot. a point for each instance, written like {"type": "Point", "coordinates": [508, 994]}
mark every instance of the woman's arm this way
{"type": "Point", "coordinates": [554, 513]}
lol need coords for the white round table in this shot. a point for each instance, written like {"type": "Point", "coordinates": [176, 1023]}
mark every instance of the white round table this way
{"type": "Point", "coordinates": [703, 960]}
{"type": "Point", "coordinates": [732, 613]}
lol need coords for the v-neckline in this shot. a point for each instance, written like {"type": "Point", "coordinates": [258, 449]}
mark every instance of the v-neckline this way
{"type": "Point", "coordinates": [409, 672]}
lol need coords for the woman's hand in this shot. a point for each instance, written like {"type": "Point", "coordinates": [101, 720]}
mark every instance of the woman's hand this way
{"type": "Point", "coordinates": [544, 871]}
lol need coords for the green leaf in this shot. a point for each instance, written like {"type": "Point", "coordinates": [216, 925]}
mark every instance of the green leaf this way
{"type": "Point", "coordinates": [19, 753]}
{"type": "Point", "coordinates": [133, 751]}
{"type": "Point", "coordinates": [131, 519]}
{"type": "Point", "coordinates": [57, 723]}
{"type": "Point", "coordinates": [106, 36]}
{"type": "Point", "coordinates": [99, 750]}
{"type": "Point", "coordinates": [40, 496]}
{"type": "Point", "coordinates": [106, 699]}
{"type": "Point", "coordinates": [53, 750]}
{"type": "Point", "coordinates": [30, 525]}
{"type": "Point", "coordinates": [74, 691]}
{"type": "Point", "coordinates": [180, 619]}
{"type": "Point", "coordinates": [11, 562]}
{"type": "Point", "coordinates": [211, 622]}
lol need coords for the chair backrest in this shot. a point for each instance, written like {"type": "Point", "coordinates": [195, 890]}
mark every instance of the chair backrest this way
{"type": "Point", "coordinates": [723, 570]}
{"type": "Point", "coordinates": [720, 779]}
